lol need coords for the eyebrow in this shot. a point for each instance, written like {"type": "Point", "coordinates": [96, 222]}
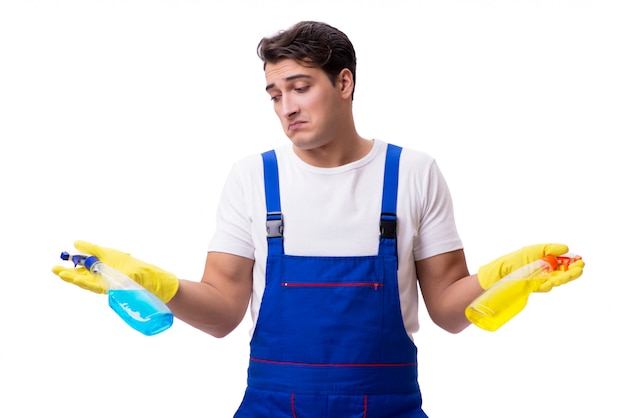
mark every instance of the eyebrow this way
{"type": "Point", "coordinates": [290, 78]}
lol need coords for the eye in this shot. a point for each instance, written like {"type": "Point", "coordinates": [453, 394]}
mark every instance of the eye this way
{"type": "Point", "coordinates": [301, 89]}
{"type": "Point", "coordinates": [275, 98]}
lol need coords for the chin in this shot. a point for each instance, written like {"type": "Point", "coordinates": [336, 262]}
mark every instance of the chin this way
{"type": "Point", "coordinates": [304, 145]}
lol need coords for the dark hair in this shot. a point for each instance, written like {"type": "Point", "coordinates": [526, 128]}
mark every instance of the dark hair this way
{"type": "Point", "coordinates": [313, 44]}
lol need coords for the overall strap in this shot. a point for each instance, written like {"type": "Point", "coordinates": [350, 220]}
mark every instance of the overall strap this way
{"type": "Point", "coordinates": [274, 221]}
{"type": "Point", "coordinates": [388, 219]}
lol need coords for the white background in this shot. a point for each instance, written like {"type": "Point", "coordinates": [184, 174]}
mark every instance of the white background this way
{"type": "Point", "coordinates": [119, 121]}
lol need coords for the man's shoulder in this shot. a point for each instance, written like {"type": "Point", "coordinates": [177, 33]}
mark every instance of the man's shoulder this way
{"type": "Point", "coordinates": [414, 157]}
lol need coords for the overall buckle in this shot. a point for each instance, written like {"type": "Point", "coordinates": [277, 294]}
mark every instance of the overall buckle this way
{"type": "Point", "coordinates": [388, 224]}
{"type": "Point", "coordinates": [274, 224]}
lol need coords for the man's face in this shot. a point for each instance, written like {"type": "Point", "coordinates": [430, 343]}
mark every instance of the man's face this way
{"type": "Point", "coordinates": [308, 105]}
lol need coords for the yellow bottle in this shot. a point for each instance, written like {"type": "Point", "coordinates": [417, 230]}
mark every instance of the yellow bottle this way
{"type": "Point", "coordinates": [508, 296]}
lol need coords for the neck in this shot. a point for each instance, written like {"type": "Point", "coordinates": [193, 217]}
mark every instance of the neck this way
{"type": "Point", "coordinates": [336, 153]}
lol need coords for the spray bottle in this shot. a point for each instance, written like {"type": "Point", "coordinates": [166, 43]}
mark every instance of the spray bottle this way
{"type": "Point", "coordinates": [138, 307]}
{"type": "Point", "coordinates": [508, 296]}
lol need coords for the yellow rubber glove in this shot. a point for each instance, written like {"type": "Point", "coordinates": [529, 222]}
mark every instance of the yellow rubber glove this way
{"type": "Point", "coordinates": [163, 284]}
{"type": "Point", "coordinates": [503, 266]}
{"type": "Point", "coordinates": [562, 275]}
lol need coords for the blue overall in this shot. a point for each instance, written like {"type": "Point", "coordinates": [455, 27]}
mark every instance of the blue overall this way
{"type": "Point", "coordinates": [330, 340]}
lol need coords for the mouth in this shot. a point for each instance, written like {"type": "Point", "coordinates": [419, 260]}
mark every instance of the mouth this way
{"type": "Point", "coordinates": [295, 125]}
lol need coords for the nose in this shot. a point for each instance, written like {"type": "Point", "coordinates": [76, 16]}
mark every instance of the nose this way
{"type": "Point", "coordinates": [289, 107]}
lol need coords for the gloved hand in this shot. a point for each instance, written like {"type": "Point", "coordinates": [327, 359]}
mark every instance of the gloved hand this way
{"type": "Point", "coordinates": [501, 267]}
{"type": "Point", "coordinates": [163, 284]}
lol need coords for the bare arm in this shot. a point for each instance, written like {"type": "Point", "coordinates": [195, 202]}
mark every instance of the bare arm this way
{"type": "Point", "coordinates": [218, 303]}
{"type": "Point", "coordinates": [447, 288]}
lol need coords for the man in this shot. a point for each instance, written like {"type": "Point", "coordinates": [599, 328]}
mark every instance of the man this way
{"type": "Point", "coordinates": [327, 239]}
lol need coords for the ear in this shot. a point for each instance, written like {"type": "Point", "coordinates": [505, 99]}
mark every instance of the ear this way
{"type": "Point", "coordinates": [345, 83]}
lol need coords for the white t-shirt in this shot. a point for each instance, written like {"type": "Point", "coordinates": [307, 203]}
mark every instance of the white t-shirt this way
{"type": "Point", "coordinates": [336, 212]}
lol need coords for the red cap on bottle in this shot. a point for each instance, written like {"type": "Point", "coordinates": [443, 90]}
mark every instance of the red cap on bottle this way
{"type": "Point", "coordinates": [552, 261]}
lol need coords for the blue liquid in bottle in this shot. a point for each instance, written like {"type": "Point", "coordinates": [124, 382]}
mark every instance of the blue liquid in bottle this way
{"type": "Point", "coordinates": [141, 310]}
{"type": "Point", "coordinates": [138, 307]}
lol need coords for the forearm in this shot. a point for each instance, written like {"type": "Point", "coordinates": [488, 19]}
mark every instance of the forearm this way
{"type": "Point", "coordinates": [203, 306]}
{"type": "Point", "coordinates": [447, 288]}
{"type": "Point", "coordinates": [449, 314]}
